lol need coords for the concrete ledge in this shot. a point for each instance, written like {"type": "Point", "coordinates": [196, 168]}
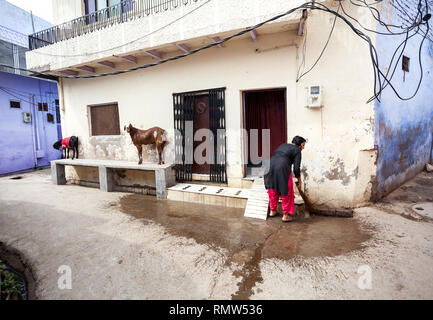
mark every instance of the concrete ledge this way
{"type": "Point", "coordinates": [113, 164]}
{"type": "Point", "coordinates": [107, 183]}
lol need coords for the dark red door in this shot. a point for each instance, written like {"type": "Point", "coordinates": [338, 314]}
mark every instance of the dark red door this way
{"type": "Point", "coordinates": [201, 121]}
{"type": "Point", "coordinates": [266, 109]}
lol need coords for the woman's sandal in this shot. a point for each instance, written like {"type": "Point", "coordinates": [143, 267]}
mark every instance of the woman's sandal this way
{"type": "Point", "coordinates": [287, 218]}
{"type": "Point", "coordinates": [273, 215]}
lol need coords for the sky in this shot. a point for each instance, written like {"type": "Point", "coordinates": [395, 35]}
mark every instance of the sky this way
{"type": "Point", "coordinates": [40, 8]}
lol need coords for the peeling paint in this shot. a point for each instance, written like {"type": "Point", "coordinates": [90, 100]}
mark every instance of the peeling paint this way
{"type": "Point", "coordinates": [338, 172]}
{"type": "Point", "coordinates": [121, 148]}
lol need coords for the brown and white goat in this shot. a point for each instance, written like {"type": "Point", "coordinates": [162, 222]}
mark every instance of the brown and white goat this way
{"type": "Point", "coordinates": [154, 135]}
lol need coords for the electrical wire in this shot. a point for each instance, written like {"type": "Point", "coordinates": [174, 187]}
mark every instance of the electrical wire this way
{"type": "Point", "coordinates": [388, 81]}
{"type": "Point", "coordinates": [323, 50]}
{"type": "Point", "coordinates": [380, 79]}
{"type": "Point", "coordinates": [367, 29]}
{"type": "Point", "coordinates": [8, 91]}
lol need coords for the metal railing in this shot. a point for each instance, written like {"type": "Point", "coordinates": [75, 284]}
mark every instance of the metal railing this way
{"type": "Point", "coordinates": [127, 10]}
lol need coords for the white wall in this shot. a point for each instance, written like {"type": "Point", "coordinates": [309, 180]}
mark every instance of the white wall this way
{"type": "Point", "coordinates": [66, 10]}
{"type": "Point", "coordinates": [145, 97]}
{"type": "Point", "coordinates": [339, 158]}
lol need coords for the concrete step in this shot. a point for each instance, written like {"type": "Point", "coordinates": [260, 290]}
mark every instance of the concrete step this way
{"type": "Point", "coordinates": [224, 196]}
{"type": "Point", "coordinates": [209, 194]}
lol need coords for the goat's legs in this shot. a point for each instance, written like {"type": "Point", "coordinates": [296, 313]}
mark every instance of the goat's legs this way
{"type": "Point", "coordinates": [140, 156]}
{"type": "Point", "coordinates": [160, 147]}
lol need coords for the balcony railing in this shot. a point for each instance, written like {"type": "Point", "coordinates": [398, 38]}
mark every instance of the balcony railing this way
{"type": "Point", "coordinates": [125, 11]}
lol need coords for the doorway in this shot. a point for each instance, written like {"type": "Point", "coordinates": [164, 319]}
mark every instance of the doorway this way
{"type": "Point", "coordinates": [264, 109]}
{"type": "Point", "coordinates": [201, 121]}
{"type": "Point", "coordinates": [204, 109]}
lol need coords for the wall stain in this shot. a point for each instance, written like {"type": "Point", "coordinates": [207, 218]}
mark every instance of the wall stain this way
{"type": "Point", "coordinates": [338, 172]}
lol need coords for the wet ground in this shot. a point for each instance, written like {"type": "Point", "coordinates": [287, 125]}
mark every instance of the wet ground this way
{"type": "Point", "coordinates": [248, 241]}
{"type": "Point", "coordinates": [402, 200]}
{"type": "Point", "coordinates": [123, 246]}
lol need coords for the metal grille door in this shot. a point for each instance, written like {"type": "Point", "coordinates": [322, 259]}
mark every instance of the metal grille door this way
{"type": "Point", "coordinates": [217, 125]}
{"type": "Point", "coordinates": [183, 107]}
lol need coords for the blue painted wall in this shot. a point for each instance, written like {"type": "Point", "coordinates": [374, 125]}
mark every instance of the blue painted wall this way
{"type": "Point", "coordinates": [26, 145]}
{"type": "Point", "coordinates": [20, 20]}
{"type": "Point", "coordinates": [403, 129]}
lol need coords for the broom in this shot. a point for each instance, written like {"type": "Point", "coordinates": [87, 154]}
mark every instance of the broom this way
{"type": "Point", "coordinates": [344, 213]}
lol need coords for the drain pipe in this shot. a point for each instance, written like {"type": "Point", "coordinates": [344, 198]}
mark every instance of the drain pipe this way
{"type": "Point", "coordinates": [33, 114]}
{"type": "Point", "coordinates": [431, 148]}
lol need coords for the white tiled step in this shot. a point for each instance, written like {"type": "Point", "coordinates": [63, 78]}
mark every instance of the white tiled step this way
{"type": "Point", "coordinates": [255, 216]}
{"type": "Point", "coordinates": [254, 200]}
{"type": "Point", "coordinates": [258, 201]}
{"type": "Point", "coordinates": [211, 190]}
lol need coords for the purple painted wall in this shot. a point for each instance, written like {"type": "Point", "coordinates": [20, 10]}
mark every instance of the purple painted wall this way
{"type": "Point", "coordinates": [404, 129]}
{"type": "Point", "coordinates": [26, 145]}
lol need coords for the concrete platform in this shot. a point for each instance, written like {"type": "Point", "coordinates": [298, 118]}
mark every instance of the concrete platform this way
{"type": "Point", "coordinates": [214, 195]}
{"type": "Point", "coordinates": [163, 173]}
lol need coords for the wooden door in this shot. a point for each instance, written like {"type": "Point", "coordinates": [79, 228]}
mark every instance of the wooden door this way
{"type": "Point", "coordinates": [266, 109]}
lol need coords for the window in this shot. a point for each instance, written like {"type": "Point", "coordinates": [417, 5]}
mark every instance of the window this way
{"type": "Point", "coordinates": [50, 118]}
{"type": "Point", "coordinates": [42, 106]}
{"type": "Point", "coordinates": [15, 104]}
{"type": "Point", "coordinates": [405, 64]}
{"type": "Point", "coordinates": [104, 119]}
{"type": "Point", "coordinates": [94, 5]}
{"type": "Point", "coordinates": [57, 111]}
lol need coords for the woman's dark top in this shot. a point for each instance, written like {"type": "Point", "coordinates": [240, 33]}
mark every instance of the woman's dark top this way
{"type": "Point", "coordinates": [281, 166]}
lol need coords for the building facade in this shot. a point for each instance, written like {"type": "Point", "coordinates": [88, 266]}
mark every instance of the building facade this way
{"type": "Point", "coordinates": [15, 26]}
{"type": "Point", "coordinates": [249, 82]}
{"type": "Point", "coordinates": [29, 106]}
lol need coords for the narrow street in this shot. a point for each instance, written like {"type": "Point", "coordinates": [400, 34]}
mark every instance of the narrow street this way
{"type": "Point", "coordinates": [128, 246]}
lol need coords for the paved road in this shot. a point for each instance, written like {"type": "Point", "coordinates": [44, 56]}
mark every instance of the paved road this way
{"type": "Point", "coordinates": [125, 246]}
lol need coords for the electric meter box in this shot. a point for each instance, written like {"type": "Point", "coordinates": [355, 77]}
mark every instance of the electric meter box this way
{"type": "Point", "coordinates": [27, 117]}
{"type": "Point", "coordinates": [314, 99]}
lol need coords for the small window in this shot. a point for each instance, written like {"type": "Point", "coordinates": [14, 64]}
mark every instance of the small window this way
{"type": "Point", "coordinates": [45, 106]}
{"type": "Point", "coordinates": [39, 106]}
{"type": "Point", "coordinates": [405, 64]}
{"type": "Point", "coordinates": [50, 118]}
{"type": "Point", "coordinates": [15, 104]}
{"type": "Point", "coordinates": [104, 119]}
{"type": "Point", "coordinates": [57, 111]}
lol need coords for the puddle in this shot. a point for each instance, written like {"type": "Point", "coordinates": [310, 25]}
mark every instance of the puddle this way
{"type": "Point", "coordinates": [248, 240]}
{"type": "Point", "coordinates": [211, 225]}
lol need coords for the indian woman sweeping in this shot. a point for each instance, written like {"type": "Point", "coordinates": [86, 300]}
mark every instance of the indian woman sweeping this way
{"type": "Point", "coordinates": [279, 181]}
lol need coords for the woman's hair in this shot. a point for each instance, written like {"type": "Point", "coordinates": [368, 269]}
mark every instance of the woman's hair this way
{"type": "Point", "coordinates": [298, 140]}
